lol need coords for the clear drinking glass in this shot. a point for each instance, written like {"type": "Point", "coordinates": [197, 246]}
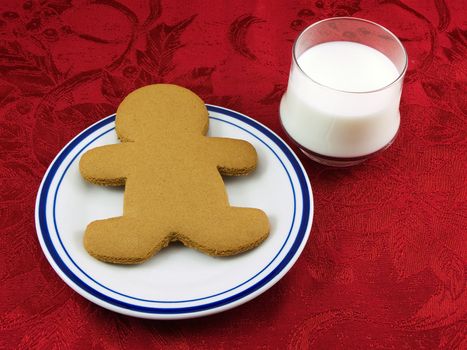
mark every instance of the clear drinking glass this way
{"type": "Point", "coordinates": [343, 127]}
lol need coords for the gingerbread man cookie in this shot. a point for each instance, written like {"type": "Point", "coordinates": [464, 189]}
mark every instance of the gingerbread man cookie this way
{"type": "Point", "coordinates": [173, 185]}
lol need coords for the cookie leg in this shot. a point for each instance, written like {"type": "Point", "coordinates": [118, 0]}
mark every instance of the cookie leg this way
{"type": "Point", "coordinates": [231, 232]}
{"type": "Point", "coordinates": [122, 240]}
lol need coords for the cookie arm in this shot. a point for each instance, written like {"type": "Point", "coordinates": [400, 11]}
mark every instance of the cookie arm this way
{"type": "Point", "coordinates": [106, 165]}
{"type": "Point", "coordinates": [233, 157]}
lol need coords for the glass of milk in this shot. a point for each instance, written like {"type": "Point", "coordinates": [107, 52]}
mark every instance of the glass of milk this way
{"type": "Point", "coordinates": [342, 101]}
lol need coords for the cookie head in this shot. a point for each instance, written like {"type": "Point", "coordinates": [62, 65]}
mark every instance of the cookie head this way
{"type": "Point", "coordinates": [161, 110]}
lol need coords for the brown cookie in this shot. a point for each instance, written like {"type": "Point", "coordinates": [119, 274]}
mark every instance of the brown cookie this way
{"type": "Point", "coordinates": [173, 185]}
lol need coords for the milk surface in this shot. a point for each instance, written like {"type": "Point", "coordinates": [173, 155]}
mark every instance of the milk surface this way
{"type": "Point", "coordinates": [353, 122]}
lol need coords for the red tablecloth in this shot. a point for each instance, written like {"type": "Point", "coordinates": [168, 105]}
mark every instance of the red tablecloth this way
{"type": "Point", "coordinates": [385, 263]}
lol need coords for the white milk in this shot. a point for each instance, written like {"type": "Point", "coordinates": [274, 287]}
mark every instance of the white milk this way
{"type": "Point", "coordinates": [346, 123]}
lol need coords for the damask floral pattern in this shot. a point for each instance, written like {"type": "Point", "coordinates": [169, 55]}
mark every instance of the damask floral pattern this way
{"type": "Point", "coordinates": [385, 266]}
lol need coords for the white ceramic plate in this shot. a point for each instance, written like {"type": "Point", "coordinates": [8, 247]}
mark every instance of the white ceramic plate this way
{"type": "Point", "coordinates": [178, 282]}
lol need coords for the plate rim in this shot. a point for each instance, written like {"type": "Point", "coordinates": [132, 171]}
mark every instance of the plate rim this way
{"type": "Point", "coordinates": [234, 300]}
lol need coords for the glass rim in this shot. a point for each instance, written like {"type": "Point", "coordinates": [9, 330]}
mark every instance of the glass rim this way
{"type": "Point", "coordinates": [357, 19]}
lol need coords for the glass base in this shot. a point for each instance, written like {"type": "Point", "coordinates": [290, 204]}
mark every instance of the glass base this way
{"type": "Point", "coordinates": [340, 162]}
{"type": "Point", "coordinates": [331, 161]}
{"type": "Point", "coordinates": [336, 161]}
